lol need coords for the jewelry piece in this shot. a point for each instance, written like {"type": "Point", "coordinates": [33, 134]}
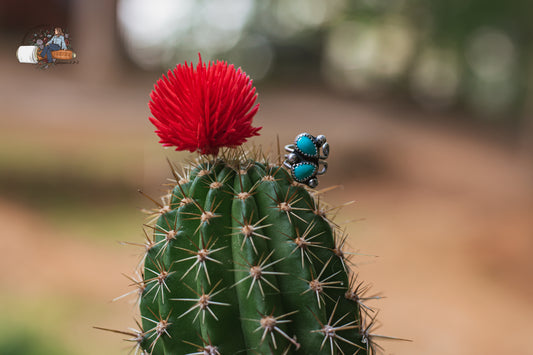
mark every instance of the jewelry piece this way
{"type": "Point", "coordinates": [305, 156]}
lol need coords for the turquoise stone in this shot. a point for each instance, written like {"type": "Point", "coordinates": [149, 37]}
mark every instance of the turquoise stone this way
{"type": "Point", "coordinates": [306, 145]}
{"type": "Point", "coordinates": [304, 171]}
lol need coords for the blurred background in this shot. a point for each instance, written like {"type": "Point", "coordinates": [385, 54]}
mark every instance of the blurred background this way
{"type": "Point", "coordinates": [427, 106]}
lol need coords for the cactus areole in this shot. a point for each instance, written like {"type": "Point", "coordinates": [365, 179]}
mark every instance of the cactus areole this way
{"type": "Point", "coordinates": [240, 258]}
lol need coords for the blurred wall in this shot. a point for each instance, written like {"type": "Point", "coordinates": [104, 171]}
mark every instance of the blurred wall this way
{"type": "Point", "coordinates": [19, 16]}
{"type": "Point", "coordinates": [94, 25]}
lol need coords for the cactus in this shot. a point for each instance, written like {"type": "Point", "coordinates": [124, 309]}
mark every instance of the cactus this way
{"type": "Point", "coordinates": [240, 257]}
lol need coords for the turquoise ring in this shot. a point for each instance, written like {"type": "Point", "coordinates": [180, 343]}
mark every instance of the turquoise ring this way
{"type": "Point", "coordinates": [306, 158]}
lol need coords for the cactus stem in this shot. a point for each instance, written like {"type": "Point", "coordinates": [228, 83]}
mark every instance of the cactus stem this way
{"type": "Point", "coordinates": [330, 330]}
{"type": "Point", "coordinates": [203, 302]}
{"type": "Point", "coordinates": [256, 273]}
{"type": "Point", "coordinates": [268, 228]}
{"type": "Point", "coordinates": [269, 324]}
{"type": "Point", "coordinates": [201, 255]}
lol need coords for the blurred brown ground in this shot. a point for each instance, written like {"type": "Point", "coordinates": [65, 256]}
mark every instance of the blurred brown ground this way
{"type": "Point", "coordinates": [447, 209]}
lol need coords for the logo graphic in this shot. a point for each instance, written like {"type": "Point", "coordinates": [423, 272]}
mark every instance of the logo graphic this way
{"type": "Point", "coordinates": [47, 46]}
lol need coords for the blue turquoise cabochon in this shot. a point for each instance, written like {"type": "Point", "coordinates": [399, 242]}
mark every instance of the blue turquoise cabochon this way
{"type": "Point", "coordinates": [304, 171]}
{"type": "Point", "coordinates": [306, 145]}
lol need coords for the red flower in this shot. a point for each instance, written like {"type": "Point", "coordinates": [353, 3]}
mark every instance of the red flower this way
{"type": "Point", "coordinates": [205, 108]}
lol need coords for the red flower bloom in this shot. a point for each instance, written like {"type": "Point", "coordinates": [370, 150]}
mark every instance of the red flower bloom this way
{"type": "Point", "coordinates": [205, 108]}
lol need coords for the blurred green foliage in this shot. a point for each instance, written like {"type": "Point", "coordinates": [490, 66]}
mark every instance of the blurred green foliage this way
{"type": "Point", "coordinates": [441, 54]}
{"type": "Point", "coordinates": [454, 20]}
{"type": "Point", "coordinates": [74, 186]}
{"type": "Point", "coordinates": [22, 340]}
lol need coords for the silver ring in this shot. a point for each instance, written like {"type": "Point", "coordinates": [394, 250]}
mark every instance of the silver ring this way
{"type": "Point", "coordinates": [305, 157]}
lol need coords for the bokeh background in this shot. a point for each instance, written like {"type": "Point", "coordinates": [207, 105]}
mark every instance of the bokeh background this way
{"type": "Point", "coordinates": [426, 105]}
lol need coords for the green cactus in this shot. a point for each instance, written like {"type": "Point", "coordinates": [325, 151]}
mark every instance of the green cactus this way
{"type": "Point", "coordinates": [241, 257]}
{"type": "Point", "coordinates": [244, 260]}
